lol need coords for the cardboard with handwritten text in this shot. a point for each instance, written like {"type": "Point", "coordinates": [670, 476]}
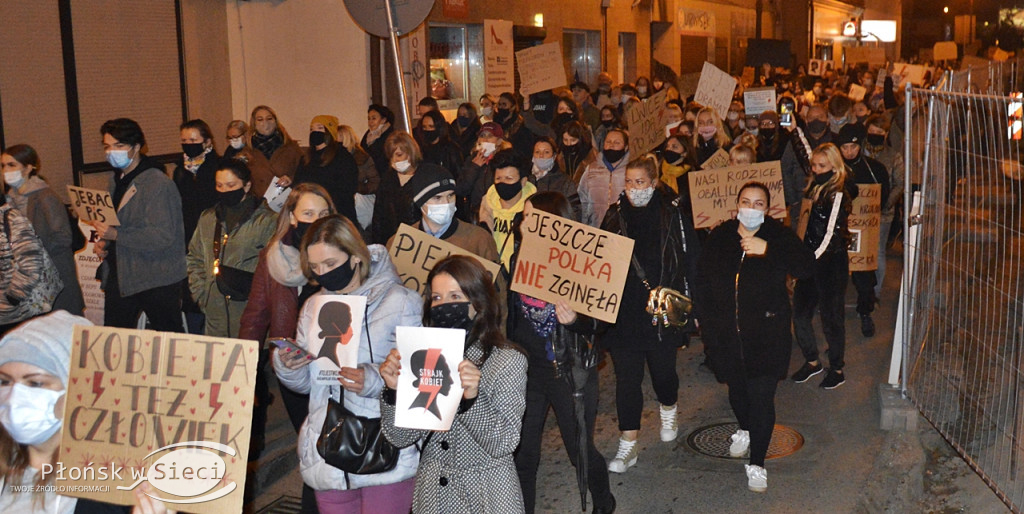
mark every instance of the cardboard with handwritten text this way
{"type": "Point", "coordinates": [540, 68]}
{"type": "Point", "coordinates": [713, 192]}
{"type": "Point", "coordinates": [561, 259]}
{"type": "Point", "coordinates": [415, 253]}
{"type": "Point", "coordinates": [429, 386]}
{"type": "Point", "coordinates": [332, 334]}
{"type": "Point", "coordinates": [646, 124]}
{"type": "Point", "coordinates": [715, 89]}
{"type": "Point", "coordinates": [93, 205]}
{"type": "Point", "coordinates": [864, 222]}
{"type": "Point", "coordinates": [133, 395]}
{"type": "Point", "coordinates": [719, 159]}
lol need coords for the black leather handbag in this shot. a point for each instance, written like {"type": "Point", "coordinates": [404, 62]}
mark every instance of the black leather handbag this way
{"type": "Point", "coordinates": [233, 283]}
{"type": "Point", "coordinates": [355, 444]}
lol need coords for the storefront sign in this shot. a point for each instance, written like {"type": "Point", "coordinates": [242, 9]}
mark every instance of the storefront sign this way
{"type": "Point", "coordinates": [416, 66]}
{"type": "Point", "coordinates": [455, 8]}
{"type": "Point", "coordinates": [696, 22]}
{"type": "Point", "coordinates": [499, 67]}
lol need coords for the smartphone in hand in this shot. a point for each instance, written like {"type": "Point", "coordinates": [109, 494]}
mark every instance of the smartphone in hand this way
{"type": "Point", "coordinates": [285, 343]}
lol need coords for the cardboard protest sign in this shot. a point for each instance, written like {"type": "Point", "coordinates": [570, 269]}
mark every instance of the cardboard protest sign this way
{"type": "Point", "coordinates": [499, 66]}
{"type": "Point", "coordinates": [757, 100]}
{"type": "Point", "coordinates": [913, 73]}
{"type": "Point", "coordinates": [806, 205]}
{"type": "Point", "coordinates": [93, 205]}
{"type": "Point", "coordinates": [815, 67]}
{"type": "Point", "coordinates": [715, 89]}
{"type": "Point", "coordinates": [719, 159]}
{"type": "Point", "coordinates": [333, 333]}
{"type": "Point", "coordinates": [135, 398]}
{"type": "Point", "coordinates": [277, 195]}
{"type": "Point", "coordinates": [944, 51]}
{"type": "Point", "coordinates": [868, 54]}
{"type": "Point", "coordinates": [864, 222]}
{"type": "Point", "coordinates": [857, 92]}
{"type": "Point", "coordinates": [560, 259]}
{"type": "Point", "coordinates": [429, 386]}
{"type": "Point", "coordinates": [646, 124]}
{"type": "Point", "coordinates": [415, 252]}
{"type": "Point", "coordinates": [713, 192]}
{"type": "Point", "coordinates": [540, 68]}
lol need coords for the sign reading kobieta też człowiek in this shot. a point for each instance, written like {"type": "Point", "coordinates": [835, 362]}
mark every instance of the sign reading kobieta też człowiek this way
{"type": "Point", "coordinates": [560, 259]}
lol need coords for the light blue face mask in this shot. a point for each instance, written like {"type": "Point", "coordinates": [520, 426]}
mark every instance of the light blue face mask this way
{"type": "Point", "coordinates": [118, 158]}
{"type": "Point", "coordinates": [544, 164]}
{"type": "Point", "coordinates": [751, 219]}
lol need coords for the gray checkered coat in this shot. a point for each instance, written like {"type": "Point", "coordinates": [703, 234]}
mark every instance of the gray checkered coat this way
{"type": "Point", "coordinates": [469, 469]}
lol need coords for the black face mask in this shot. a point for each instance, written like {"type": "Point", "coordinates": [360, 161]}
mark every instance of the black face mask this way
{"type": "Point", "coordinates": [564, 118]}
{"type": "Point", "coordinates": [816, 126]}
{"type": "Point", "coordinates": [338, 278]}
{"type": "Point", "coordinates": [300, 230]}
{"type": "Point", "coordinates": [824, 177]}
{"type": "Point", "coordinates": [614, 155]}
{"type": "Point", "coordinates": [451, 315]}
{"type": "Point", "coordinates": [571, 149]}
{"type": "Point", "coordinates": [766, 135]}
{"type": "Point", "coordinates": [317, 138]}
{"type": "Point", "coordinates": [231, 198]}
{"type": "Point", "coordinates": [608, 123]}
{"type": "Point", "coordinates": [672, 157]}
{"type": "Point", "coordinates": [508, 191]}
{"type": "Point", "coordinates": [429, 135]}
{"type": "Point", "coordinates": [876, 139]}
{"type": "Point", "coordinates": [192, 150]}
{"type": "Point", "coordinates": [501, 115]}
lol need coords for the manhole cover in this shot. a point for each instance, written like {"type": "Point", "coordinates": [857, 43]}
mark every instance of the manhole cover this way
{"type": "Point", "coordinates": [714, 441]}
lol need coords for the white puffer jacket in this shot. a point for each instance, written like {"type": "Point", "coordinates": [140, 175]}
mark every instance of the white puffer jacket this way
{"type": "Point", "coordinates": [388, 305]}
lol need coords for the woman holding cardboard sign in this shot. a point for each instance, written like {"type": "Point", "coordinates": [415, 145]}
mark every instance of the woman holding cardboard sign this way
{"type": "Point", "coordinates": [664, 254]}
{"type": "Point", "coordinates": [30, 194]}
{"type": "Point", "coordinates": [334, 254]}
{"type": "Point", "coordinates": [469, 468]}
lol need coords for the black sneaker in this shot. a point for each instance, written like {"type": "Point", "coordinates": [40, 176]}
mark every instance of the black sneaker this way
{"type": "Point", "coordinates": [806, 371]}
{"type": "Point", "coordinates": [833, 379]}
{"type": "Point", "coordinates": [867, 325]}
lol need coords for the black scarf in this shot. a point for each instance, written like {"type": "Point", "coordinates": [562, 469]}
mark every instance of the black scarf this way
{"type": "Point", "coordinates": [267, 145]}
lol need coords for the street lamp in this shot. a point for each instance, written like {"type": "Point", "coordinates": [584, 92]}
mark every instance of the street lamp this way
{"type": "Point", "coordinates": [945, 9]}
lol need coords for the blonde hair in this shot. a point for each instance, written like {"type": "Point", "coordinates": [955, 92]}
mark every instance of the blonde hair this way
{"type": "Point", "coordinates": [720, 135]}
{"type": "Point", "coordinates": [348, 138]}
{"type": "Point", "coordinates": [337, 231]}
{"type": "Point", "coordinates": [284, 222]}
{"type": "Point", "coordinates": [838, 181]}
{"type": "Point", "coordinates": [252, 124]}
{"type": "Point", "coordinates": [648, 163]}
{"type": "Point", "coordinates": [742, 154]}
{"type": "Point", "coordinates": [402, 139]}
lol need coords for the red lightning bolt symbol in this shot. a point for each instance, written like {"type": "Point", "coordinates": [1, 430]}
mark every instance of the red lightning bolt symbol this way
{"type": "Point", "coordinates": [214, 393]}
{"type": "Point", "coordinates": [97, 386]}
{"type": "Point", "coordinates": [701, 218]}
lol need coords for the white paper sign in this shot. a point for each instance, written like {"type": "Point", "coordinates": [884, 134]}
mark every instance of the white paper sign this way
{"type": "Point", "coordinates": [815, 67]}
{"type": "Point", "coordinates": [857, 92]}
{"type": "Point", "coordinates": [715, 89]}
{"type": "Point", "coordinates": [333, 334]}
{"type": "Point", "coordinates": [86, 263]}
{"type": "Point", "coordinates": [757, 100]}
{"type": "Point", "coordinates": [277, 195]}
{"type": "Point", "coordinates": [429, 386]}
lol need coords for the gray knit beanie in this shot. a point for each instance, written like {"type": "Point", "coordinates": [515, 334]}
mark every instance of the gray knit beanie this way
{"type": "Point", "coordinates": [44, 342]}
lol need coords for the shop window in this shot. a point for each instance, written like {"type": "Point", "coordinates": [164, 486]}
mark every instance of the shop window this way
{"type": "Point", "coordinates": [582, 53]}
{"type": "Point", "coordinates": [456, 64]}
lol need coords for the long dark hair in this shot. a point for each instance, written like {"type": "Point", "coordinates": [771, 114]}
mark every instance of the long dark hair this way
{"type": "Point", "coordinates": [441, 127]}
{"type": "Point", "coordinates": [477, 285]}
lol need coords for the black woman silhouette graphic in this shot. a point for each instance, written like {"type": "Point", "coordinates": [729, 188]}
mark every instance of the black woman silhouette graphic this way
{"type": "Point", "coordinates": [335, 321]}
{"type": "Point", "coordinates": [433, 377]}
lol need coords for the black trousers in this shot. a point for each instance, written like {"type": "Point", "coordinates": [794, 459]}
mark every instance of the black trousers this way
{"type": "Point", "coordinates": [753, 402]}
{"type": "Point", "coordinates": [629, 377]}
{"type": "Point", "coordinates": [825, 290]}
{"type": "Point", "coordinates": [864, 282]}
{"type": "Point", "coordinates": [162, 306]}
{"type": "Point", "coordinates": [543, 390]}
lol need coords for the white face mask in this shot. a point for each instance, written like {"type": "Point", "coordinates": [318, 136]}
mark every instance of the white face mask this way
{"type": "Point", "coordinates": [236, 142]}
{"type": "Point", "coordinates": [487, 148]}
{"type": "Point", "coordinates": [487, 111]}
{"type": "Point", "coordinates": [402, 166]}
{"type": "Point", "coordinates": [751, 219]}
{"type": "Point", "coordinates": [733, 115]}
{"type": "Point", "coordinates": [27, 413]}
{"type": "Point", "coordinates": [14, 178]}
{"type": "Point", "coordinates": [543, 164]}
{"type": "Point", "coordinates": [640, 197]}
{"type": "Point", "coordinates": [440, 213]}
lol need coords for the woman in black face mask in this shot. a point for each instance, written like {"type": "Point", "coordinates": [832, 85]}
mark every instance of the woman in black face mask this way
{"type": "Point", "coordinates": [334, 255]}
{"type": "Point", "coordinates": [575, 150]}
{"type": "Point", "coordinates": [471, 464]}
{"type": "Point", "coordinates": [436, 143]}
{"type": "Point", "coordinates": [330, 165]}
{"type": "Point", "coordinates": [224, 249]}
{"type": "Point", "coordinates": [566, 112]}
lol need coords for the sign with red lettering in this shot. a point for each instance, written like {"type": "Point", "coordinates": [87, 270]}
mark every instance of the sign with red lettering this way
{"type": "Point", "coordinates": [864, 222]}
{"type": "Point", "coordinates": [429, 386]}
{"type": "Point", "coordinates": [170, 409]}
{"type": "Point", "coordinates": [455, 8]}
{"type": "Point", "coordinates": [713, 192]}
{"type": "Point", "coordinates": [560, 259]}
{"type": "Point", "coordinates": [93, 205]}
{"type": "Point", "coordinates": [414, 253]}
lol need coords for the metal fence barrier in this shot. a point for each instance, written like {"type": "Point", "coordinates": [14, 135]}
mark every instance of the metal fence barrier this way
{"type": "Point", "coordinates": [964, 300]}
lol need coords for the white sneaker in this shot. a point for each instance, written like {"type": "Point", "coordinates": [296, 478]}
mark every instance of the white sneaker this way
{"type": "Point", "coordinates": [625, 458]}
{"type": "Point", "coordinates": [757, 478]}
{"type": "Point", "coordinates": [669, 426]}
{"type": "Point", "coordinates": [740, 443]}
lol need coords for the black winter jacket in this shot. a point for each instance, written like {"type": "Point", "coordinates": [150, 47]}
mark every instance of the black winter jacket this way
{"type": "Point", "coordinates": [821, 211]}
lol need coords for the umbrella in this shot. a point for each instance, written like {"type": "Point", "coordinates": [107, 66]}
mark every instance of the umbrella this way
{"type": "Point", "coordinates": [585, 357]}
